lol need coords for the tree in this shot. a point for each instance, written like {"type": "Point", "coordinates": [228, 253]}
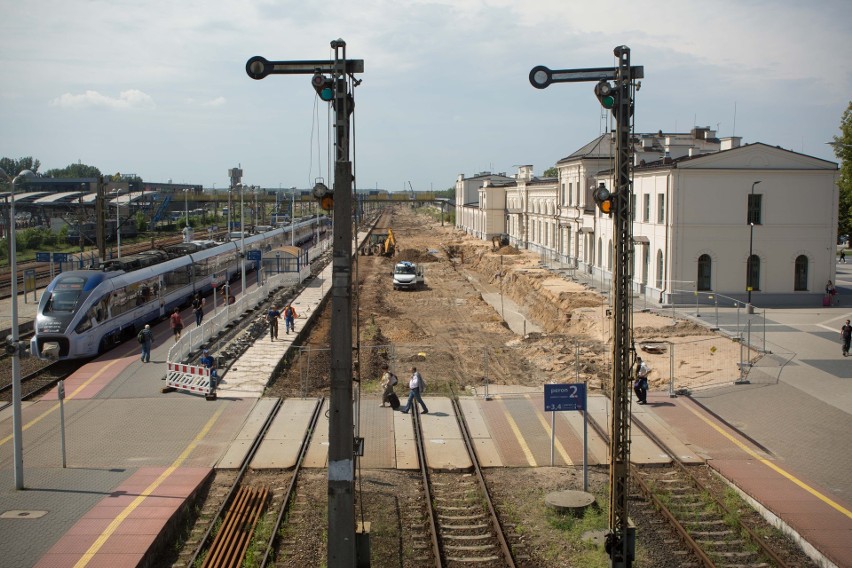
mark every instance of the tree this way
{"type": "Point", "coordinates": [843, 150]}
{"type": "Point", "coordinates": [14, 167]}
{"type": "Point", "coordinates": [551, 172]}
{"type": "Point", "coordinates": [74, 171]}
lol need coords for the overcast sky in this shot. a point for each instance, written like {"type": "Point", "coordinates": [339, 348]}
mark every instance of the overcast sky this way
{"type": "Point", "coordinates": [159, 89]}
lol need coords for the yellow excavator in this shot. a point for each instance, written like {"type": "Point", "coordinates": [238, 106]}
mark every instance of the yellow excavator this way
{"type": "Point", "coordinates": [381, 242]}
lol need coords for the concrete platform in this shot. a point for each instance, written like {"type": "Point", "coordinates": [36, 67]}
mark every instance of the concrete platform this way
{"type": "Point", "coordinates": [128, 524]}
{"type": "Point", "coordinates": [250, 373]}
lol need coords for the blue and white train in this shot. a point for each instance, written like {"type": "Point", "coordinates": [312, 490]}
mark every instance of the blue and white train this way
{"type": "Point", "coordinates": [83, 313]}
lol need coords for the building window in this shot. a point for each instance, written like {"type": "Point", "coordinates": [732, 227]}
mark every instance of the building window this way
{"type": "Point", "coordinates": [646, 261]}
{"type": "Point", "coordinates": [661, 208]}
{"type": "Point", "coordinates": [800, 281]}
{"type": "Point", "coordinates": [600, 252]}
{"type": "Point", "coordinates": [705, 271]}
{"type": "Point", "coordinates": [659, 269]}
{"type": "Point", "coordinates": [562, 196]}
{"type": "Point", "coordinates": [570, 193]}
{"type": "Point", "coordinates": [632, 206]}
{"type": "Point", "coordinates": [753, 273]}
{"type": "Point", "coordinates": [755, 203]}
{"type": "Point", "coordinates": [646, 207]}
{"type": "Point", "coordinates": [609, 255]}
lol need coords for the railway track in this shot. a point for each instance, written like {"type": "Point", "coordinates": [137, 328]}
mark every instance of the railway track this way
{"type": "Point", "coordinates": [702, 530]}
{"type": "Point", "coordinates": [714, 532]}
{"type": "Point", "coordinates": [247, 510]}
{"type": "Point", "coordinates": [35, 383]}
{"type": "Point", "coordinates": [464, 526]}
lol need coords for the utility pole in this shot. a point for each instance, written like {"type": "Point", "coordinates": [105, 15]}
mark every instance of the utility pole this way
{"type": "Point", "coordinates": [330, 82]}
{"type": "Point", "coordinates": [618, 97]}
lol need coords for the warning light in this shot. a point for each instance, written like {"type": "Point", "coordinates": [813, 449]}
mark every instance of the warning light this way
{"type": "Point", "coordinates": [324, 86]}
{"type": "Point", "coordinates": [327, 202]}
{"type": "Point", "coordinates": [606, 94]}
{"type": "Point", "coordinates": [603, 199]}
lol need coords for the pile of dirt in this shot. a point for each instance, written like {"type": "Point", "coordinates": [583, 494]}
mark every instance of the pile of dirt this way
{"type": "Point", "coordinates": [416, 256]}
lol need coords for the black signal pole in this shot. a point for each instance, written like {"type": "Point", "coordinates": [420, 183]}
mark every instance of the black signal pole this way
{"type": "Point", "coordinates": [331, 85]}
{"type": "Point", "coordinates": [618, 97]}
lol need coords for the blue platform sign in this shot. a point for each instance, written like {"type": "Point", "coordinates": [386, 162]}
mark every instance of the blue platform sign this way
{"type": "Point", "coordinates": [42, 257]}
{"type": "Point", "coordinates": [253, 254]}
{"type": "Point", "coordinates": [571, 396]}
{"type": "Point", "coordinates": [60, 257]}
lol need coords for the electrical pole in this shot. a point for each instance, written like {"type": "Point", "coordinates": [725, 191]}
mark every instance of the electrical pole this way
{"type": "Point", "coordinates": [330, 82]}
{"type": "Point", "coordinates": [620, 541]}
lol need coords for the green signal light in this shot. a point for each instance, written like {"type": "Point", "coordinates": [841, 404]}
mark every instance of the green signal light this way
{"type": "Point", "coordinates": [608, 102]}
{"type": "Point", "coordinates": [326, 94]}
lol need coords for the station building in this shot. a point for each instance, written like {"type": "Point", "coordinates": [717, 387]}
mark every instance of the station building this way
{"type": "Point", "coordinates": [701, 208]}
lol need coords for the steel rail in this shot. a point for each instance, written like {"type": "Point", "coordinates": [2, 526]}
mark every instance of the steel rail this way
{"type": "Point", "coordinates": [306, 440]}
{"type": "Point", "coordinates": [236, 485]}
{"type": "Point", "coordinates": [424, 472]}
{"type": "Point", "coordinates": [764, 548]}
{"type": "Point", "coordinates": [495, 519]}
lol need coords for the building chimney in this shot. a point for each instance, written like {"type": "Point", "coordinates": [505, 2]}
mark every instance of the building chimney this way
{"type": "Point", "coordinates": [730, 142]}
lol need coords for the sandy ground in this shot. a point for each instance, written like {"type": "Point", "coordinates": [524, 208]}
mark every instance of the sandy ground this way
{"type": "Point", "coordinates": [458, 340]}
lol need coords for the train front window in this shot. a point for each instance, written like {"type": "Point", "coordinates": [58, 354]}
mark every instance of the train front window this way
{"type": "Point", "coordinates": [66, 294]}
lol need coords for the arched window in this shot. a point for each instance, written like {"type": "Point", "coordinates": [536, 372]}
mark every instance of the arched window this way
{"type": "Point", "coordinates": [800, 280]}
{"type": "Point", "coordinates": [609, 255]}
{"type": "Point", "coordinates": [600, 252]}
{"type": "Point", "coordinates": [646, 260]}
{"type": "Point", "coordinates": [753, 272]}
{"type": "Point", "coordinates": [659, 269]}
{"type": "Point", "coordinates": [705, 271]}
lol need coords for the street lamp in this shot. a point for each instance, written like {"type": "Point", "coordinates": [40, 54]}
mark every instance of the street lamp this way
{"type": "Point", "coordinates": [292, 216]}
{"type": "Point", "coordinates": [117, 225]}
{"type": "Point", "coordinates": [751, 215]}
{"type": "Point", "coordinates": [186, 214]}
{"type": "Point", "coordinates": [16, 363]}
{"type": "Point", "coordinates": [242, 240]}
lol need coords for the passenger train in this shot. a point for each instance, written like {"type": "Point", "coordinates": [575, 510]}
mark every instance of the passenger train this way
{"type": "Point", "coordinates": [83, 313]}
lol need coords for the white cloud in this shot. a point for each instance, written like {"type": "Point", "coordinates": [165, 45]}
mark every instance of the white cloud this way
{"type": "Point", "coordinates": [130, 99]}
{"type": "Point", "coordinates": [217, 102]}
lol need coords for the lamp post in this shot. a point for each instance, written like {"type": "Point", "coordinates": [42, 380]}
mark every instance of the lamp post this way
{"type": "Point", "coordinates": [117, 226]}
{"type": "Point", "coordinates": [16, 363]}
{"type": "Point", "coordinates": [242, 241]}
{"type": "Point", "coordinates": [186, 215]}
{"type": "Point", "coordinates": [749, 283]}
{"type": "Point", "coordinates": [292, 216]}
{"type": "Point", "coordinates": [230, 189]}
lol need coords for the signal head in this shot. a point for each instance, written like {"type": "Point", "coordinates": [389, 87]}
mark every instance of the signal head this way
{"type": "Point", "coordinates": [324, 86]}
{"type": "Point", "coordinates": [606, 94]}
{"type": "Point", "coordinates": [603, 198]}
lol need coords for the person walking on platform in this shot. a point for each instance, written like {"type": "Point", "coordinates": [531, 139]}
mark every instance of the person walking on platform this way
{"type": "Point", "coordinates": [846, 334]}
{"type": "Point", "coordinates": [176, 323]}
{"type": "Point", "coordinates": [417, 386]}
{"type": "Point", "coordinates": [272, 316]}
{"type": "Point", "coordinates": [640, 385]}
{"type": "Point", "coordinates": [146, 338]}
{"type": "Point", "coordinates": [198, 308]}
{"type": "Point", "coordinates": [389, 380]}
{"type": "Point", "coordinates": [830, 292]}
{"type": "Point", "coordinates": [843, 256]}
{"type": "Point", "coordinates": [290, 316]}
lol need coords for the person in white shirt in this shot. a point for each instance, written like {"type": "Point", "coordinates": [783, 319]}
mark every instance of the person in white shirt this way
{"type": "Point", "coordinates": [417, 385]}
